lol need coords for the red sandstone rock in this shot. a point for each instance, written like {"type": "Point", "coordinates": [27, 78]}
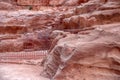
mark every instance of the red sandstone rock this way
{"type": "Point", "coordinates": [56, 2]}
{"type": "Point", "coordinates": [33, 2]}
{"type": "Point", "coordinates": [74, 2]}
{"type": "Point", "coordinates": [6, 6]}
{"type": "Point", "coordinates": [92, 54]}
{"type": "Point", "coordinates": [50, 2]}
{"type": "Point", "coordinates": [39, 40]}
{"type": "Point", "coordinates": [86, 56]}
{"type": "Point", "coordinates": [66, 2]}
{"type": "Point", "coordinates": [93, 13]}
{"type": "Point", "coordinates": [24, 21]}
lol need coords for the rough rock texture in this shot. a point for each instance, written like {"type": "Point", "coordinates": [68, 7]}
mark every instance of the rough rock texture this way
{"type": "Point", "coordinates": [93, 53]}
{"type": "Point", "coordinates": [30, 41]}
{"type": "Point", "coordinates": [6, 6]}
{"type": "Point", "coordinates": [87, 48]}
{"type": "Point", "coordinates": [25, 30]}
{"type": "Point", "coordinates": [39, 4]}
{"type": "Point", "coordinates": [87, 57]}
{"type": "Point", "coordinates": [51, 2]}
{"type": "Point", "coordinates": [24, 20]}
{"type": "Point", "coordinates": [66, 2]}
{"type": "Point", "coordinates": [22, 30]}
{"type": "Point", "coordinates": [92, 13]}
{"type": "Point", "coordinates": [8, 1]}
{"type": "Point", "coordinates": [33, 2]}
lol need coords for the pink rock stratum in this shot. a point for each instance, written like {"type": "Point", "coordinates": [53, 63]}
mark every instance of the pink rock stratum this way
{"type": "Point", "coordinates": [59, 39]}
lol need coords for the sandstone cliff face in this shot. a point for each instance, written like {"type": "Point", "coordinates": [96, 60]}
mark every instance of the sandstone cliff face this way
{"type": "Point", "coordinates": [6, 6]}
{"type": "Point", "coordinates": [38, 4]}
{"type": "Point", "coordinates": [24, 21]}
{"type": "Point", "coordinates": [39, 40]}
{"type": "Point", "coordinates": [33, 2]}
{"type": "Point", "coordinates": [51, 2]}
{"type": "Point", "coordinates": [25, 30]}
{"type": "Point", "coordinates": [92, 13]}
{"type": "Point", "coordinates": [87, 48]}
{"type": "Point", "coordinates": [66, 2]}
{"type": "Point", "coordinates": [86, 57]}
{"type": "Point", "coordinates": [93, 53]}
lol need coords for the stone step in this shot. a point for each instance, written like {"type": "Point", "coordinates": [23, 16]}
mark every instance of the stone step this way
{"type": "Point", "coordinates": [23, 55]}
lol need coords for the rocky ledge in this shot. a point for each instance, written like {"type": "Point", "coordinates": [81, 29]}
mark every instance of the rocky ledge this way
{"type": "Point", "coordinates": [94, 52]}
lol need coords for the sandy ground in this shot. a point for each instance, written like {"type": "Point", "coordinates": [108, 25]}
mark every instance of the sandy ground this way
{"type": "Point", "coordinates": [20, 72]}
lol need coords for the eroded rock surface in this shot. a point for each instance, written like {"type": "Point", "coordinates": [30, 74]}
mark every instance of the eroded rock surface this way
{"type": "Point", "coordinates": [6, 6]}
{"type": "Point", "coordinates": [92, 13]}
{"type": "Point", "coordinates": [24, 20]}
{"type": "Point", "coordinates": [93, 53]}
{"type": "Point", "coordinates": [90, 57]}
{"type": "Point", "coordinates": [83, 36]}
